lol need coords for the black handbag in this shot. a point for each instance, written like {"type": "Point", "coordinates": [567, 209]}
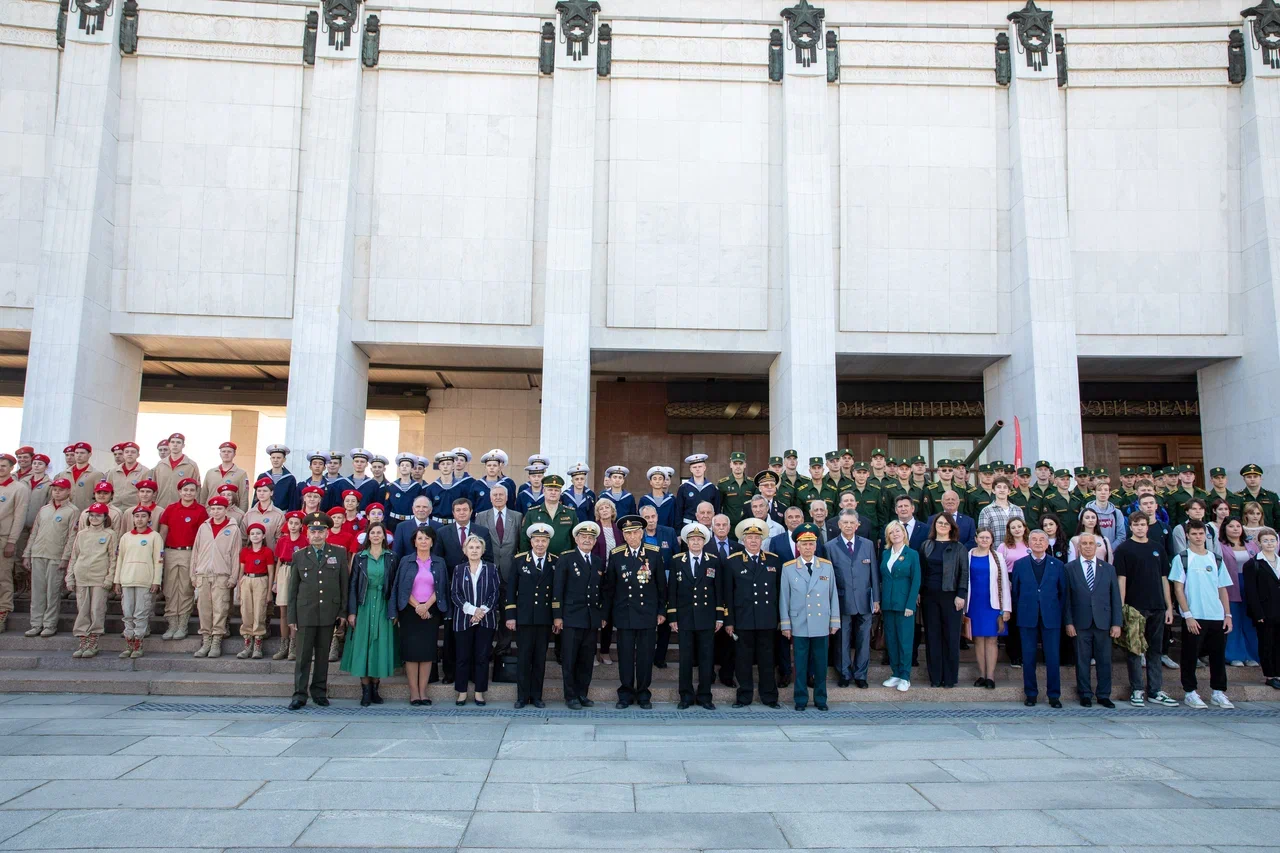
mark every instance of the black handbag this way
{"type": "Point", "coordinates": [504, 669]}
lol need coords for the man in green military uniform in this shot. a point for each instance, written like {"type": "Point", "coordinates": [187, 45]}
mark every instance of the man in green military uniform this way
{"type": "Point", "coordinates": [551, 512]}
{"type": "Point", "coordinates": [1044, 479]}
{"type": "Point", "coordinates": [846, 464]}
{"type": "Point", "coordinates": [1061, 502]}
{"type": "Point", "coordinates": [1253, 491]}
{"type": "Point", "coordinates": [317, 600]}
{"type": "Point", "coordinates": [1083, 490]}
{"type": "Point", "coordinates": [916, 484]}
{"type": "Point", "coordinates": [789, 478]}
{"type": "Point", "coordinates": [834, 474]}
{"type": "Point", "coordinates": [946, 482]}
{"type": "Point", "coordinates": [1124, 495]}
{"type": "Point", "coordinates": [889, 493]}
{"type": "Point", "coordinates": [882, 476]}
{"type": "Point", "coordinates": [736, 490]}
{"type": "Point", "coordinates": [775, 465]}
{"type": "Point", "coordinates": [1022, 497]}
{"type": "Point", "coordinates": [868, 495]}
{"type": "Point", "coordinates": [981, 496]}
{"type": "Point", "coordinates": [1219, 490]}
{"type": "Point", "coordinates": [814, 488]}
{"type": "Point", "coordinates": [1176, 501]}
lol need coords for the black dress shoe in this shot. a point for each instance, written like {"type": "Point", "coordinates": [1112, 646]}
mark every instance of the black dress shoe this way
{"type": "Point", "coordinates": [480, 703]}
{"type": "Point", "coordinates": [424, 702]}
{"type": "Point", "coordinates": [621, 706]}
{"type": "Point", "coordinates": [784, 681]}
{"type": "Point", "coordinates": [520, 703]}
{"type": "Point", "coordinates": [842, 682]}
{"type": "Point", "coordinates": [538, 703]}
{"type": "Point", "coordinates": [741, 704]}
{"type": "Point", "coordinates": [774, 705]}
{"type": "Point", "coordinates": [459, 702]}
{"type": "Point", "coordinates": [800, 707]}
{"type": "Point", "coordinates": [990, 685]}
{"type": "Point", "coordinates": [1274, 682]}
{"type": "Point", "coordinates": [979, 682]}
{"type": "Point", "coordinates": [1055, 703]}
{"type": "Point", "coordinates": [1085, 702]}
{"type": "Point", "coordinates": [573, 705]}
{"type": "Point", "coordinates": [646, 705]}
{"type": "Point", "coordinates": [296, 704]}
{"type": "Point", "coordinates": [322, 702]}
{"type": "Point", "coordinates": [684, 705]}
{"type": "Point", "coordinates": [660, 664]}
{"type": "Point", "coordinates": [1030, 701]}
{"type": "Point", "coordinates": [947, 686]}
{"type": "Point", "coordinates": [708, 705]}
{"type": "Point", "coordinates": [586, 703]}
{"type": "Point", "coordinates": [860, 683]}
{"type": "Point", "coordinates": [821, 706]}
{"type": "Point", "coordinates": [935, 683]}
{"type": "Point", "coordinates": [1106, 703]}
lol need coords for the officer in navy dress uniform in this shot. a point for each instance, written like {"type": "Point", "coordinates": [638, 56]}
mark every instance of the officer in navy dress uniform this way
{"type": "Point", "coordinates": [751, 597]}
{"type": "Point", "coordinates": [695, 490]}
{"type": "Point", "coordinates": [398, 494]}
{"type": "Point", "coordinates": [578, 609]}
{"type": "Point", "coordinates": [695, 612]}
{"type": "Point", "coordinates": [529, 614]}
{"type": "Point", "coordinates": [635, 597]}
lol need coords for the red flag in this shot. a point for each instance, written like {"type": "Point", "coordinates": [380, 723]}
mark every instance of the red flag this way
{"type": "Point", "coordinates": [1017, 443]}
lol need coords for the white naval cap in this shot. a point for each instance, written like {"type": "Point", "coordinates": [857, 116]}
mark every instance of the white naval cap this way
{"type": "Point", "coordinates": [693, 458]}
{"type": "Point", "coordinates": [656, 469]}
{"type": "Point", "coordinates": [586, 527]}
{"type": "Point", "coordinates": [360, 451]}
{"type": "Point", "coordinates": [579, 468]}
{"type": "Point", "coordinates": [693, 528]}
{"type": "Point", "coordinates": [463, 452]}
{"type": "Point", "coordinates": [406, 457]}
{"type": "Point", "coordinates": [617, 469]}
{"type": "Point", "coordinates": [277, 448]}
{"type": "Point", "coordinates": [540, 528]}
{"type": "Point", "coordinates": [497, 455]}
{"type": "Point", "coordinates": [536, 459]}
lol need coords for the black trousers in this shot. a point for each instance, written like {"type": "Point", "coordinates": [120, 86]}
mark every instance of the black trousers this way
{"type": "Point", "coordinates": [578, 656]}
{"type": "Point", "coordinates": [724, 656]}
{"type": "Point", "coordinates": [756, 648]}
{"type": "Point", "coordinates": [1013, 642]}
{"type": "Point", "coordinates": [502, 641]}
{"type": "Point", "coordinates": [662, 641]}
{"type": "Point", "coordinates": [312, 663]}
{"type": "Point", "coordinates": [635, 663]}
{"type": "Point", "coordinates": [1269, 647]}
{"type": "Point", "coordinates": [473, 647]}
{"type": "Point", "coordinates": [1211, 641]}
{"type": "Point", "coordinates": [942, 635]}
{"type": "Point", "coordinates": [699, 647]}
{"type": "Point", "coordinates": [531, 660]}
{"type": "Point", "coordinates": [782, 654]}
{"type": "Point", "coordinates": [606, 638]}
{"type": "Point", "coordinates": [449, 654]}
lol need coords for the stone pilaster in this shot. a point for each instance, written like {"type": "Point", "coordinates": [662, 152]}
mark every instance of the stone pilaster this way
{"type": "Point", "coordinates": [82, 382]}
{"type": "Point", "coordinates": [1039, 382]}
{"type": "Point", "coordinates": [802, 379]}
{"type": "Point", "coordinates": [244, 434]}
{"type": "Point", "coordinates": [1236, 422]}
{"type": "Point", "coordinates": [328, 374]}
{"type": "Point", "coordinates": [566, 348]}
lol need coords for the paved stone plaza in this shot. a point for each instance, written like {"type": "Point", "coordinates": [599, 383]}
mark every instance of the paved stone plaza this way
{"type": "Point", "coordinates": [102, 772]}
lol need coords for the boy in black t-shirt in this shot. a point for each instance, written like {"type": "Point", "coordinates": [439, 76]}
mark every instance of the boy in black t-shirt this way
{"type": "Point", "coordinates": [1143, 569]}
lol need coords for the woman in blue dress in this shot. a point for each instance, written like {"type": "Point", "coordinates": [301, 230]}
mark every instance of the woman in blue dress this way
{"type": "Point", "coordinates": [988, 605]}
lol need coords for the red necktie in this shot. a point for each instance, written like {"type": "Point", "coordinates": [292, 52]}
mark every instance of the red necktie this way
{"type": "Point", "coordinates": [462, 536]}
{"type": "Point", "coordinates": [501, 535]}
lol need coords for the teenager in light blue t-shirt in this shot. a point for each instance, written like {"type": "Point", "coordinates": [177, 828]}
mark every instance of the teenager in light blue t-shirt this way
{"type": "Point", "coordinates": [1200, 580]}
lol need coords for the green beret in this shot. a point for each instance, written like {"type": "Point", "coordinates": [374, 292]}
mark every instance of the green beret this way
{"type": "Point", "coordinates": [737, 456]}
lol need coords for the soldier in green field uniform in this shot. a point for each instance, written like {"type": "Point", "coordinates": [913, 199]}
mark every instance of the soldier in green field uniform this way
{"type": "Point", "coordinates": [1062, 503]}
{"type": "Point", "coordinates": [834, 475]}
{"type": "Point", "coordinates": [868, 496]}
{"type": "Point", "coordinates": [1023, 497]}
{"type": "Point", "coordinates": [901, 469]}
{"type": "Point", "coordinates": [1044, 479]}
{"type": "Point", "coordinates": [1124, 495]}
{"type": "Point", "coordinates": [1083, 490]}
{"type": "Point", "coordinates": [317, 600]}
{"type": "Point", "coordinates": [1253, 491]}
{"type": "Point", "coordinates": [882, 473]}
{"type": "Point", "coordinates": [790, 479]}
{"type": "Point", "coordinates": [846, 463]}
{"type": "Point", "coordinates": [946, 482]}
{"type": "Point", "coordinates": [813, 487]}
{"type": "Point", "coordinates": [775, 465]}
{"type": "Point", "coordinates": [1176, 501]}
{"type": "Point", "coordinates": [736, 490]}
{"type": "Point", "coordinates": [551, 511]}
{"type": "Point", "coordinates": [916, 485]}
{"type": "Point", "coordinates": [981, 496]}
{"type": "Point", "coordinates": [1219, 491]}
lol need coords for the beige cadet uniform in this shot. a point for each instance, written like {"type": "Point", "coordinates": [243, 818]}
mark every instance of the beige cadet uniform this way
{"type": "Point", "coordinates": [114, 516]}
{"type": "Point", "coordinates": [47, 551]}
{"type": "Point", "coordinates": [272, 518]}
{"type": "Point", "coordinates": [82, 486]}
{"type": "Point", "coordinates": [13, 514]}
{"type": "Point", "coordinates": [38, 498]}
{"type": "Point", "coordinates": [168, 475]}
{"type": "Point", "coordinates": [126, 485]}
{"type": "Point", "coordinates": [236, 476]}
{"type": "Point", "coordinates": [215, 571]}
{"type": "Point", "coordinates": [138, 567]}
{"type": "Point", "coordinates": [93, 560]}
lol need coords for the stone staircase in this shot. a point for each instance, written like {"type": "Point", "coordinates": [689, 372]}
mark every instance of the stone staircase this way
{"type": "Point", "coordinates": [167, 668]}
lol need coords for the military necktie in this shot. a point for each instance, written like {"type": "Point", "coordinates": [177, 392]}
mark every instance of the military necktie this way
{"type": "Point", "coordinates": [1088, 573]}
{"type": "Point", "coordinates": [809, 566]}
{"type": "Point", "coordinates": [694, 564]}
{"type": "Point", "coordinates": [724, 549]}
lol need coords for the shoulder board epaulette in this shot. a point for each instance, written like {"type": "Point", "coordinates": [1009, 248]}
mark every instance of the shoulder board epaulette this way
{"type": "Point", "coordinates": [740, 554]}
{"type": "Point", "coordinates": [619, 550]}
{"type": "Point", "coordinates": [789, 562]}
{"type": "Point", "coordinates": [822, 560]}
{"type": "Point", "coordinates": [649, 547]}
{"type": "Point", "coordinates": [522, 554]}
{"type": "Point", "coordinates": [724, 479]}
{"type": "Point", "coordinates": [683, 555]}
{"type": "Point", "coordinates": [768, 553]}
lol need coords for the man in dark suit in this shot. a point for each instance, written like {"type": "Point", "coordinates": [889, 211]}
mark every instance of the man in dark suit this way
{"type": "Point", "coordinates": [723, 546]}
{"type": "Point", "coordinates": [579, 611]}
{"type": "Point", "coordinates": [782, 544]}
{"type": "Point", "coordinates": [1093, 618]}
{"type": "Point", "coordinates": [402, 542]}
{"type": "Point", "coordinates": [967, 529]}
{"type": "Point", "coordinates": [668, 544]}
{"type": "Point", "coordinates": [449, 539]}
{"type": "Point", "coordinates": [905, 512]}
{"type": "Point", "coordinates": [858, 585]}
{"type": "Point", "coordinates": [1039, 588]}
{"type": "Point", "coordinates": [865, 526]}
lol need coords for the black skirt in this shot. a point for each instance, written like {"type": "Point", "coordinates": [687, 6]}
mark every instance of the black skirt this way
{"type": "Point", "coordinates": [418, 636]}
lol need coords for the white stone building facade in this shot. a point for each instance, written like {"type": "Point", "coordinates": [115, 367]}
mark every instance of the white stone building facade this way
{"type": "Point", "coordinates": [893, 207]}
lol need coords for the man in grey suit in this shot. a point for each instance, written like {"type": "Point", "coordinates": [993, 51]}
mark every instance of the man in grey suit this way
{"type": "Point", "coordinates": [858, 582]}
{"type": "Point", "coordinates": [503, 524]}
{"type": "Point", "coordinates": [1093, 617]}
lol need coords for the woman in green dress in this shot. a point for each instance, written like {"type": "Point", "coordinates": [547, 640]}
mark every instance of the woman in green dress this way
{"type": "Point", "coordinates": [371, 644]}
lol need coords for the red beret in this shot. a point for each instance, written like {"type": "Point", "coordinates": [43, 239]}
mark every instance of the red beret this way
{"type": "Point", "coordinates": [83, 445]}
{"type": "Point", "coordinates": [41, 457]}
{"type": "Point", "coordinates": [255, 526]}
{"type": "Point", "coordinates": [178, 436]}
{"type": "Point", "coordinates": [349, 492]}
{"type": "Point", "coordinates": [98, 509]}
{"type": "Point", "coordinates": [228, 487]}
{"type": "Point", "coordinates": [148, 484]}
{"type": "Point", "coordinates": [188, 481]}
{"type": "Point", "coordinates": [61, 483]}
{"type": "Point", "coordinates": [265, 482]}
{"type": "Point", "coordinates": [218, 500]}
{"type": "Point", "coordinates": [116, 447]}
{"type": "Point", "coordinates": [312, 490]}
{"type": "Point", "coordinates": [337, 510]}
{"type": "Point", "coordinates": [26, 448]}
{"type": "Point", "coordinates": [164, 442]}
{"type": "Point", "coordinates": [104, 486]}
{"type": "Point", "coordinates": [230, 444]}
{"type": "Point", "coordinates": [13, 460]}
{"type": "Point", "coordinates": [295, 513]}
{"type": "Point", "coordinates": [70, 448]}
{"type": "Point", "coordinates": [139, 508]}
{"type": "Point", "coordinates": [125, 445]}
{"type": "Point", "coordinates": [375, 505]}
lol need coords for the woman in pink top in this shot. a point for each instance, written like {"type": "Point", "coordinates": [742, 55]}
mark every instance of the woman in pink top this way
{"type": "Point", "coordinates": [420, 595]}
{"type": "Point", "coordinates": [1011, 550]}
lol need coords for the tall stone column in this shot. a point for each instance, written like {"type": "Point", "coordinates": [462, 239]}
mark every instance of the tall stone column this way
{"type": "Point", "coordinates": [244, 434]}
{"type": "Point", "coordinates": [1237, 424]}
{"type": "Point", "coordinates": [1040, 382]}
{"type": "Point", "coordinates": [802, 379]}
{"type": "Point", "coordinates": [566, 322]}
{"type": "Point", "coordinates": [82, 382]}
{"type": "Point", "coordinates": [328, 374]}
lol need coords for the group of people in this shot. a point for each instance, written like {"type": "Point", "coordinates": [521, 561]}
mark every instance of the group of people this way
{"type": "Point", "coordinates": [768, 578]}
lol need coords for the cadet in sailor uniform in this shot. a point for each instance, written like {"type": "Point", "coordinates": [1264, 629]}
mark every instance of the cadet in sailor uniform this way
{"type": "Point", "coordinates": [530, 493]}
{"type": "Point", "coordinates": [616, 478]}
{"type": "Point", "coordinates": [398, 494]}
{"type": "Point", "coordinates": [494, 462]}
{"type": "Point", "coordinates": [285, 485]}
{"type": "Point", "coordinates": [695, 490]}
{"type": "Point", "coordinates": [658, 498]}
{"type": "Point", "coordinates": [578, 495]}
